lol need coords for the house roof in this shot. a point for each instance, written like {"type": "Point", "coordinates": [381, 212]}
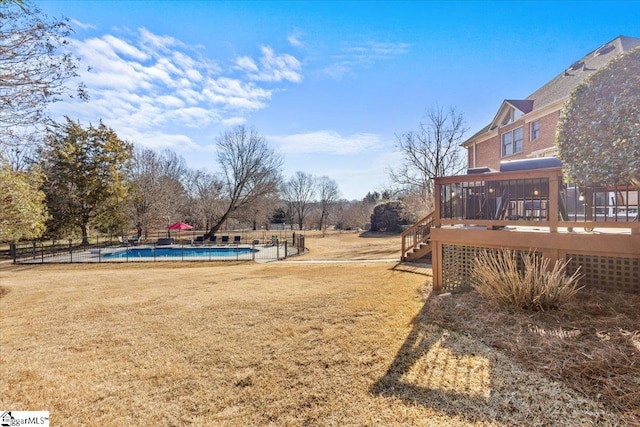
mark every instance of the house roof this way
{"type": "Point", "coordinates": [524, 105]}
{"type": "Point", "coordinates": [562, 85]}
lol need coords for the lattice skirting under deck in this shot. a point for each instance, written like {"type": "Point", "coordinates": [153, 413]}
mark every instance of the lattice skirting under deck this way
{"type": "Point", "coordinates": [602, 272]}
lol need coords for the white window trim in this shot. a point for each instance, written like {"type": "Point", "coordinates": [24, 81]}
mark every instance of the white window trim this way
{"type": "Point", "coordinates": [513, 143]}
{"type": "Point", "coordinates": [531, 133]}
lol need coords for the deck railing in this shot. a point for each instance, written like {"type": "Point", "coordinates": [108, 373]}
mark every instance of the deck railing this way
{"type": "Point", "coordinates": [416, 235]}
{"type": "Point", "coordinates": [534, 198]}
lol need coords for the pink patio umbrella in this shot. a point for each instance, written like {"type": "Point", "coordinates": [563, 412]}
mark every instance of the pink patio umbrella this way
{"type": "Point", "coordinates": [179, 226]}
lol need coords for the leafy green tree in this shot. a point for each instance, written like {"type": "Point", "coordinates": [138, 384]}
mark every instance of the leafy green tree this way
{"type": "Point", "coordinates": [22, 209]}
{"type": "Point", "coordinates": [598, 134]}
{"type": "Point", "coordinates": [86, 173]}
{"type": "Point", "coordinates": [279, 216]}
{"type": "Point", "coordinates": [390, 216]}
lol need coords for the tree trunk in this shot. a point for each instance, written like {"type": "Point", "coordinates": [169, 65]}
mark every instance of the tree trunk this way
{"type": "Point", "coordinates": [214, 229]}
{"type": "Point", "coordinates": [85, 235]}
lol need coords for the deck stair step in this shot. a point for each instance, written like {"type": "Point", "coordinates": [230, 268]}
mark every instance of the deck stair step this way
{"type": "Point", "coordinates": [416, 240]}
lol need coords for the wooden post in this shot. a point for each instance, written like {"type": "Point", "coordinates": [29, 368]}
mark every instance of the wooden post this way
{"type": "Point", "coordinates": [436, 266]}
{"type": "Point", "coordinates": [554, 205]}
{"type": "Point", "coordinates": [553, 255]}
{"type": "Point", "coordinates": [436, 203]}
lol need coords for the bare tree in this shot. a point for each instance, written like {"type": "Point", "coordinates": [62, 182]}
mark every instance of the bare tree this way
{"type": "Point", "coordinates": [328, 195]}
{"type": "Point", "coordinates": [434, 150]}
{"type": "Point", "coordinates": [299, 193]}
{"type": "Point", "coordinates": [19, 146]}
{"type": "Point", "coordinates": [205, 190]}
{"type": "Point", "coordinates": [156, 193]}
{"type": "Point", "coordinates": [353, 214]}
{"type": "Point", "coordinates": [35, 64]}
{"type": "Point", "coordinates": [250, 170]}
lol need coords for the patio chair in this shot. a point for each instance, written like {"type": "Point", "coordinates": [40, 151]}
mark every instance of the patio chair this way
{"type": "Point", "coordinates": [199, 240]}
{"type": "Point", "coordinates": [225, 240]}
{"type": "Point", "coordinates": [237, 239]}
{"type": "Point", "coordinates": [213, 239]}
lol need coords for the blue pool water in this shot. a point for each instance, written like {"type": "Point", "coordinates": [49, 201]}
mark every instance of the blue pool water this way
{"type": "Point", "coordinates": [180, 252]}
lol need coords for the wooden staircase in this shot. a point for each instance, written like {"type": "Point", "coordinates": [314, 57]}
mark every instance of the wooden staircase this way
{"type": "Point", "coordinates": [416, 241]}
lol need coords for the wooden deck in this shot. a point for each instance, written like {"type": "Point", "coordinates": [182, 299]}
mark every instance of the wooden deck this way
{"type": "Point", "coordinates": [530, 210]}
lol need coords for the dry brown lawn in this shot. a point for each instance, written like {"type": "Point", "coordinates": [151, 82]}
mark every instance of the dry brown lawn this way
{"type": "Point", "coordinates": [283, 344]}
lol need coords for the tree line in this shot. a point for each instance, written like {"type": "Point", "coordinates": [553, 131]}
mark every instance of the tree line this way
{"type": "Point", "coordinates": [87, 179]}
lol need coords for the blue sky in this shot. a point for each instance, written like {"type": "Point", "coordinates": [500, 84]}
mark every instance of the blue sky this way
{"type": "Point", "coordinates": [329, 84]}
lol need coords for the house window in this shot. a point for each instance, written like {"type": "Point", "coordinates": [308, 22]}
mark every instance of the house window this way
{"type": "Point", "coordinates": [535, 130]}
{"type": "Point", "coordinates": [512, 142]}
{"type": "Point", "coordinates": [508, 118]}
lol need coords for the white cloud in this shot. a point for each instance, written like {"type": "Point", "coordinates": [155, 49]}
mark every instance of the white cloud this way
{"type": "Point", "coordinates": [119, 46]}
{"type": "Point", "coordinates": [247, 64]}
{"type": "Point", "coordinates": [353, 56]}
{"type": "Point", "coordinates": [295, 39]}
{"type": "Point", "coordinates": [157, 42]}
{"type": "Point", "coordinates": [327, 141]}
{"type": "Point", "coordinates": [82, 25]}
{"type": "Point", "coordinates": [151, 88]}
{"type": "Point", "coordinates": [272, 68]}
{"type": "Point", "coordinates": [337, 71]}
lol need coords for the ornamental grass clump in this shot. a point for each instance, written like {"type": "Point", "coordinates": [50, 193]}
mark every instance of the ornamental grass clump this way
{"type": "Point", "coordinates": [529, 284]}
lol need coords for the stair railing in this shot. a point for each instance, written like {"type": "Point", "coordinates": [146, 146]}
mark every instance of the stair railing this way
{"type": "Point", "coordinates": [416, 235]}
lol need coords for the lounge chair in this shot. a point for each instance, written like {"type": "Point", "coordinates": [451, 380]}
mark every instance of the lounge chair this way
{"type": "Point", "coordinates": [225, 240]}
{"type": "Point", "coordinates": [237, 239]}
{"type": "Point", "coordinates": [213, 239]}
{"type": "Point", "coordinates": [124, 241]}
{"type": "Point", "coordinates": [164, 241]}
{"type": "Point", "coordinates": [199, 240]}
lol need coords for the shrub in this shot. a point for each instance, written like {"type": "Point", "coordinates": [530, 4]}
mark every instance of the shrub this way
{"type": "Point", "coordinates": [390, 216]}
{"type": "Point", "coordinates": [529, 284]}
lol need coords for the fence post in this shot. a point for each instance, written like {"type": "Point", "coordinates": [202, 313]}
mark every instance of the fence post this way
{"type": "Point", "coordinates": [70, 251]}
{"type": "Point", "coordinates": [253, 251]}
{"type": "Point", "coordinates": [286, 246]}
{"type": "Point", "coordinates": [12, 250]}
{"type": "Point", "coordinates": [277, 250]}
{"type": "Point", "coordinates": [42, 252]}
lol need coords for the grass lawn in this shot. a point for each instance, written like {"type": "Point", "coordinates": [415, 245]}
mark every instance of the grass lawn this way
{"type": "Point", "coordinates": [284, 344]}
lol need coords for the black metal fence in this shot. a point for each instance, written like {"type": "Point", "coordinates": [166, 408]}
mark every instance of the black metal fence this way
{"type": "Point", "coordinates": [162, 249]}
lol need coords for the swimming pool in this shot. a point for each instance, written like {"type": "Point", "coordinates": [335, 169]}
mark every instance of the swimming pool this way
{"type": "Point", "coordinates": [182, 253]}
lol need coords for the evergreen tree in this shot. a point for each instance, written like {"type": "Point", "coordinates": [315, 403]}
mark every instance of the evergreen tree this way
{"type": "Point", "coordinates": [85, 185]}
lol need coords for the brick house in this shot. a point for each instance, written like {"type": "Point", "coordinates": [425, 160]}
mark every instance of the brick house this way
{"type": "Point", "coordinates": [526, 128]}
{"type": "Point", "coordinates": [527, 205]}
